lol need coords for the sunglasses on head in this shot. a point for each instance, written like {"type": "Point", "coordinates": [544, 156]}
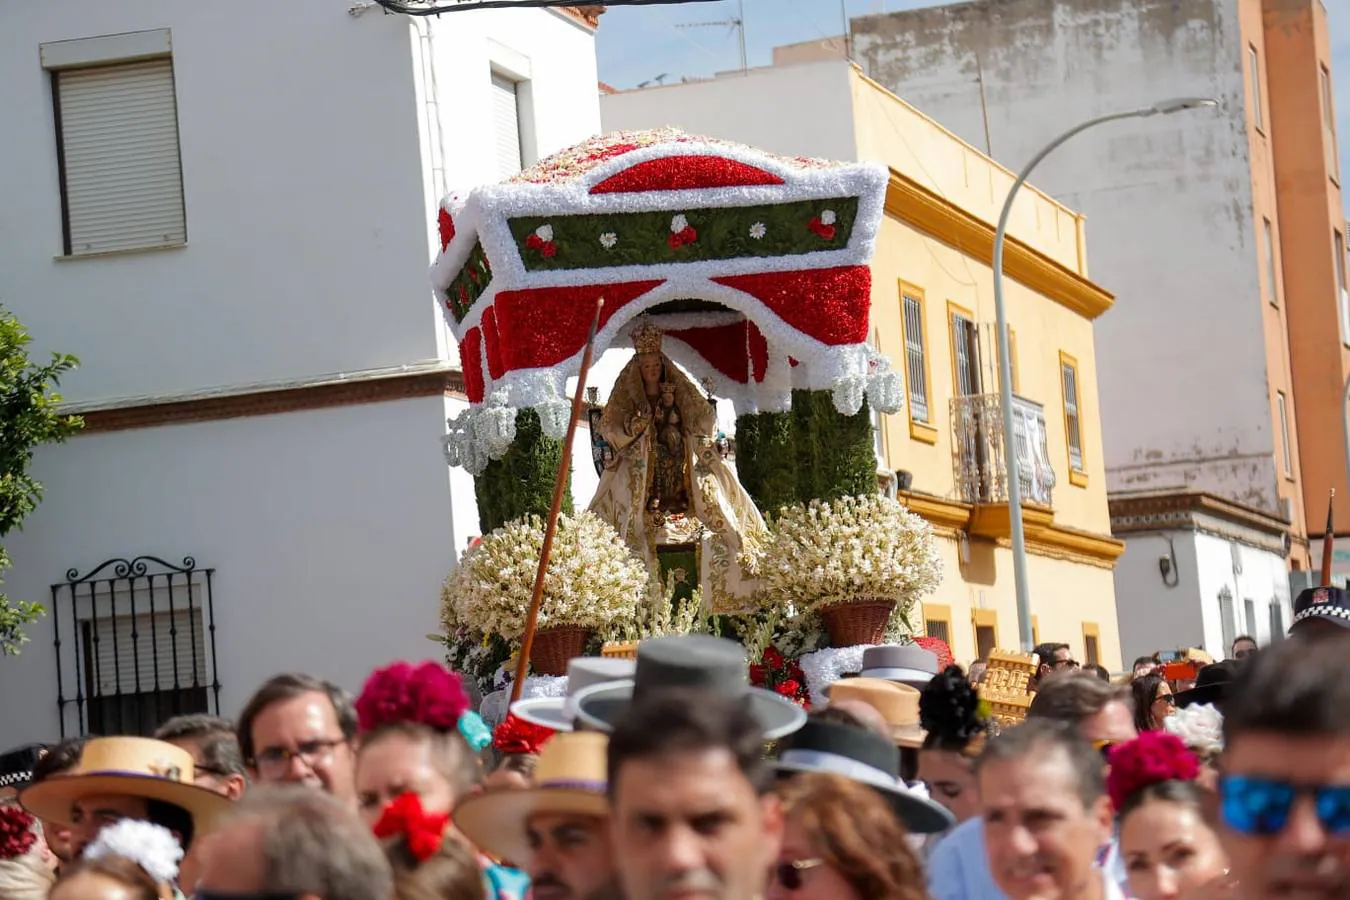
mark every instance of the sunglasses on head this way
{"type": "Point", "coordinates": [789, 874]}
{"type": "Point", "coordinates": [1261, 806]}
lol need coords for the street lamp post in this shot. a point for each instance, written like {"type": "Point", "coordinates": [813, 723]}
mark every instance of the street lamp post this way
{"type": "Point", "coordinates": [1019, 547]}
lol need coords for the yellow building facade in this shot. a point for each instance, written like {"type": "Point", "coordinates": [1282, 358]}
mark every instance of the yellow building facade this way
{"type": "Point", "coordinates": [933, 316]}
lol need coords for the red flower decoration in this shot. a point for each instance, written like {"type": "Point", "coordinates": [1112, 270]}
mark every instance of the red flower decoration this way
{"type": "Point", "coordinates": [548, 249]}
{"type": "Point", "coordinates": [1151, 758]}
{"type": "Point", "coordinates": [406, 818]}
{"type": "Point", "coordinates": [823, 231]}
{"type": "Point", "coordinates": [17, 836]}
{"type": "Point", "coordinates": [678, 239]}
{"type": "Point", "coordinates": [939, 648]}
{"type": "Point", "coordinates": [757, 675]}
{"type": "Point", "coordinates": [789, 688]}
{"type": "Point", "coordinates": [446, 223]}
{"type": "Point", "coordinates": [428, 694]}
{"type": "Point", "coordinates": [515, 735]}
{"type": "Point", "coordinates": [773, 657]}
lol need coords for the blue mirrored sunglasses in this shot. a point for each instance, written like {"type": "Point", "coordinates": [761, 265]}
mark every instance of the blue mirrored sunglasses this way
{"type": "Point", "coordinates": [1257, 806]}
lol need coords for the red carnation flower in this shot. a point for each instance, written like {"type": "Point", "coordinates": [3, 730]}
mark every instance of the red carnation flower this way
{"type": "Point", "coordinates": [515, 735]}
{"type": "Point", "coordinates": [17, 836]}
{"type": "Point", "coordinates": [789, 688]}
{"type": "Point", "coordinates": [1151, 758]}
{"type": "Point", "coordinates": [938, 647]}
{"type": "Point", "coordinates": [428, 694]}
{"type": "Point", "coordinates": [446, 225]}
{"type": "Point", "coordinates": [772, 657]}
{"type": "Point", "coordinates": [757, 674]}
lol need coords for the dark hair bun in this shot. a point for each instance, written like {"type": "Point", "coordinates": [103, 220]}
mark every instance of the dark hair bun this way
{"type": "Point", "coordinates": [949, 708]}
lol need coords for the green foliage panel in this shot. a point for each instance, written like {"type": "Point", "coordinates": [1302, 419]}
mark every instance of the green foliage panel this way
{"type": "Point", "coordinates": [521, 482]}
{"type": "Point", "coordinates": [644, 238]}
{"type": "Point", "coordinates": [834, 453]}
{"type": "Point", "coordinates": [766, 460]}
{"type": "Point", "coordinates": [677, 560]}
{"type": "Point", "coordinates": [469, 283]}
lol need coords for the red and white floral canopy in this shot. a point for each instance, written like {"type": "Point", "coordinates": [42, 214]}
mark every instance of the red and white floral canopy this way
{"type": "Point", "coordinates": [755, 266]}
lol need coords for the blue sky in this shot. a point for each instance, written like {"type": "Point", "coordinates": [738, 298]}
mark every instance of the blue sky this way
{"type": "Point", "coordinates": [639, 43]}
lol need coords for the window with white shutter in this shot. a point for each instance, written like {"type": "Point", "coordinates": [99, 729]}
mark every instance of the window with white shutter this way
{"type": "Point", "coordinates": [506, 122]}
{"type": "Point", "coordinates": [155, 661]}
{"type": "Point", "coordinates": [117, 138]}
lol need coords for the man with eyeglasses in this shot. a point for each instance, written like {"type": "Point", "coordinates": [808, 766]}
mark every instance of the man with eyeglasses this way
{"type": "Point", "coordinates": [1285, 789]}
{"type": "Point", "coordinates": [1055, 658]}
{"type": "Point", "coordinates": [301, 730]}
{"type": "Point", "coordinates": [217, 762]}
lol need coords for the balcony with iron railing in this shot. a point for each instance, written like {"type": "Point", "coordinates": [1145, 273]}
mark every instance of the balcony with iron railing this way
{"type": "Point", "coordinates": [978, 461]}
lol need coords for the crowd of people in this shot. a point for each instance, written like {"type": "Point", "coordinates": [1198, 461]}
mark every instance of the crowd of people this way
{"type": "Point", "coordinates": [670, 776]}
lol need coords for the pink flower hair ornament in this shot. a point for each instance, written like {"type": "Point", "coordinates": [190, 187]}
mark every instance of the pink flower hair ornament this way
{"type": "Point", "coordinates": [1152, 758]}
{"type": "Point", "coordinates": [428, 694]}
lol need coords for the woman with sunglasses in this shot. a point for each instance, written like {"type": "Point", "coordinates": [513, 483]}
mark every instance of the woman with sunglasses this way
{"type": "Point", "coordinates": [1166, 839]}
{"type": "Point", "coordinates": [1153, 702]}
{"type": "Point", "coordinates": [842, 842]}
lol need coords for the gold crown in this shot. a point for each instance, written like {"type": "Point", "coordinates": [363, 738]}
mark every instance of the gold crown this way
{"type": "Point", "coordinates": [647, 339]}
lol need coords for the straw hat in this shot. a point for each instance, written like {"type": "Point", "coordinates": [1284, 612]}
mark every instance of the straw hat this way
{"type": "Point", "coordinates": [127, 767]}
{"type": "Point", "coordinates": [897, 703]}
{"type": "Point", "coordinates": [558, 713]}
{"type": "Point", "coordinates": [688, 661]}
{"type": "Point", "coordinates": [571, 777]}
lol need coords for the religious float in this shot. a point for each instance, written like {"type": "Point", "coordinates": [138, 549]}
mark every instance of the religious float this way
{"type": "Point", "coordinates": [733, 274]}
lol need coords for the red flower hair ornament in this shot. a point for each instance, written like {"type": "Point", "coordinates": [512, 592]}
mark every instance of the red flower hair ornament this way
{"type": "Point", "coordinates": [516, 736]}
{"type": "Point", "coordinates": [428, 694]}
{"type": "Point", "coordinates": [405, 818]}
{"type": "Point", "coordinates": [1151, 758]}
{"type": "Point", "coordinates": [17, 834]}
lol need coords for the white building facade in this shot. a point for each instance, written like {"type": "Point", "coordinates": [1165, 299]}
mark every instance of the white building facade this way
{"type": "Point", "coordinates": [227, 212]}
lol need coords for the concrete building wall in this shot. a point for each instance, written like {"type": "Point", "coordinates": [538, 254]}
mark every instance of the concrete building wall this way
{"type": "Point", "coordinates": [1169, 201]}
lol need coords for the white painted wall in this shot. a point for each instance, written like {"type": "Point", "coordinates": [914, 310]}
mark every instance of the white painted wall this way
{"type": "Point", "coordinates": [750, 109]}
{"type": "Point", "coordinates": [1156, 617]}
{"type": "Point", "coordinates": [1168, 200]}
{"type": "Point", "coordinates": [330, 532]}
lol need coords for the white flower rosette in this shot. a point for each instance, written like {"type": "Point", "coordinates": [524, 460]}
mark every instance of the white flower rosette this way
{"type": "Point", "coordinates": [849, 550]}
{"type": "Point", "coordinates": [593, 580]}
{"type": "Point", "coordinates": [1200, 727]}
{"type": "Point", "coordinates": [152, 847]}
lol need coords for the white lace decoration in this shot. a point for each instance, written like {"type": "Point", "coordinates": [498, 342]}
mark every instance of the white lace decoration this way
{"type": "Point", "coordinates": [150, 846]}
{"type": "Point", "coordinates": [824, 667]}
{"type": "Point", "coordinates": [497, 704]}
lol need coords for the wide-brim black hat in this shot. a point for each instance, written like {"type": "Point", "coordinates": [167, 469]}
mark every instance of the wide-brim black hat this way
{"type": "Point", "coordinates": [688, 661]}
{"type": "Point", "coordinates": [1211, 685]}
{"type": "Point", "coordinates": [858, 755]}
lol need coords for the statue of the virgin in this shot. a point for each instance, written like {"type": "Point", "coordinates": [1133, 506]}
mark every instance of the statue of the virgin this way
{"type": "Point", "coordinates": [667, 484]}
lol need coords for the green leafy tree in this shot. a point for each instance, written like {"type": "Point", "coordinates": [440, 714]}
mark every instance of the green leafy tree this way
{"type": "Point", "coordinates": [28, 419]}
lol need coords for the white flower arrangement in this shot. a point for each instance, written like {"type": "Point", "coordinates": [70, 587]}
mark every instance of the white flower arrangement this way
{"type": "Point", "coordinates": [544, 232]}
{"type": "Point", "coordinates": [152, 847]}
{"type": "Point", "coordinates": [663, 614]}
{"type": "Point", "coordinates": [678, 223]}
{"type": "Point", "coordinates": [758, 230]}
{"type": "Point", "coordinates": [827, 217]}
{"type": "Point", "coordinates": [608, 240]}
{"type": "Point", "coordinates": [593, 580]}
{"type": "Point", "coordinates": [1200, 727]}
{"type": "Point", "coordinates": [849, 550]}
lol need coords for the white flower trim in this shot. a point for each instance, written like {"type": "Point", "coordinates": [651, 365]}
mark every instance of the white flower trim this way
{"type": "Point", "coordinates": [824, 667]}
{"type": "Point", "coordinates": [1200, 727]}
{"type": "Point", "coordinates": [152, 847]}
{"type": "Point", "coordinates": [678, 223]}
{"type": "Point", "coordinates": [608, 240]}
{"type": "Point", "coordinates": [544, 232]}
{"type": "Point", "coordinates": [758, 231]}
{"type": "Point", "coordinates": [827, 217]}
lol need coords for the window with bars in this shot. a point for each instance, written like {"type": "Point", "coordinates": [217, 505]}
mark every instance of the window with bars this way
{"type": "Point", "coordinates": [118, 157]}
{"type": "Point", "coordinates": [916, 363]}
{"type": "Point", "coordinates": [506, 124]}
{"type": "Point", "coordinates": [1276, 619]}
{"type": "Point", "coordinates": [139, 664]}
{"type": "Point", "coordinates": [1249, 607]}
{"type": "Point", "coordinates": [965, 354]}
{"type": "Point", "coordinates": [1227, 618]}
{"type": "Point", "coordinates": [1073, 413]}
{"type": "Point", "coordinates": [937, 622]}
{"type": "Point", "coordinates": [1338, 248]}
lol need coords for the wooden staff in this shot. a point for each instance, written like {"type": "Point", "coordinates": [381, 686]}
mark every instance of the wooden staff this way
{"type": "Point", "coordinates": [1328, 543]}
{"type": "Point", "coordinates": [551, 526]}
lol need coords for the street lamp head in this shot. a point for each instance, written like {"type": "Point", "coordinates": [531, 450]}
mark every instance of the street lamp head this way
{"type": "Point", "coordinates": [1178, 104]}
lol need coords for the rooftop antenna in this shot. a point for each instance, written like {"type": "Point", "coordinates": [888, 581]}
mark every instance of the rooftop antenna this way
{"type": "Point", "coordinates": [737, 24]}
